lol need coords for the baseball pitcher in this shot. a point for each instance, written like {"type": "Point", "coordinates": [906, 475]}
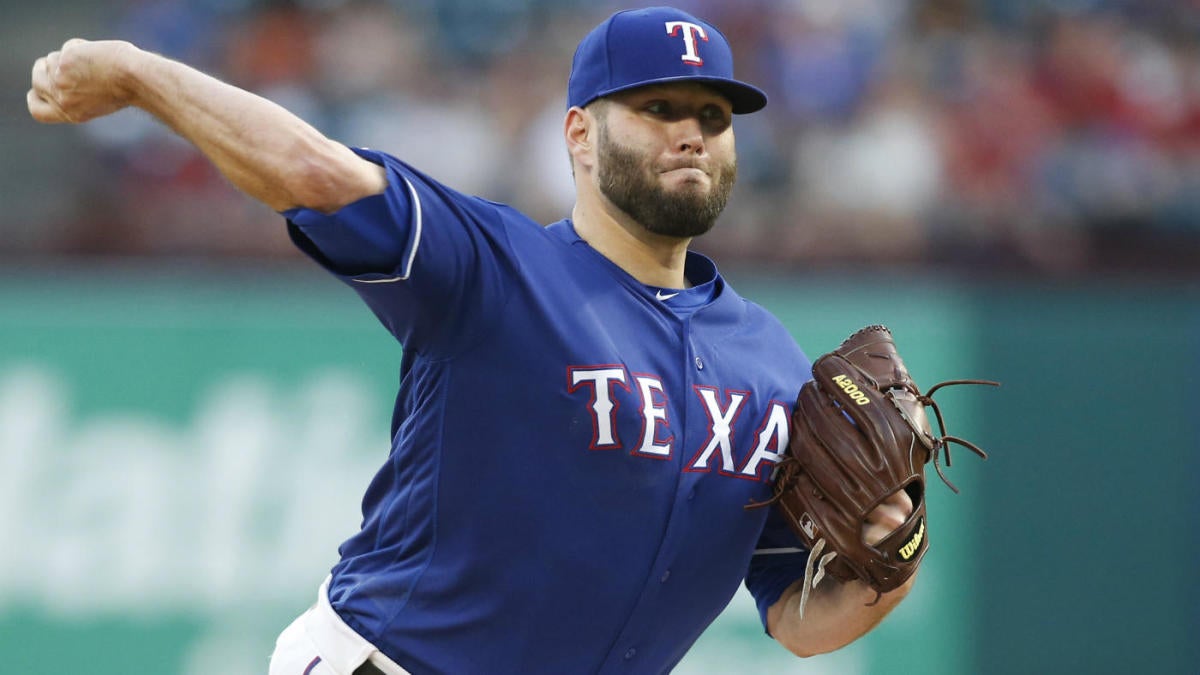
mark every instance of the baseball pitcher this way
{"type": "Point", "coordinates": [585, 409]}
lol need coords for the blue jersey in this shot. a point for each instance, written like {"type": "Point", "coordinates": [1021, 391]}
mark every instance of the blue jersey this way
{"type": "Point", "coordinates": [571, 453]}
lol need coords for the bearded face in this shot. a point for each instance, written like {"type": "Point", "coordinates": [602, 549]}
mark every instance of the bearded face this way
{"type": "Point", "coordinates": [629, 179]}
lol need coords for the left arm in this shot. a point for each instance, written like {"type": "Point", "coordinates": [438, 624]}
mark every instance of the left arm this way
{"type": "Point", "coordinates": [838, 613]}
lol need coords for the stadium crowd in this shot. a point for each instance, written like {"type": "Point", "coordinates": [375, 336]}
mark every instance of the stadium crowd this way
{"type": "Point", "coordinates": [1034, 135]}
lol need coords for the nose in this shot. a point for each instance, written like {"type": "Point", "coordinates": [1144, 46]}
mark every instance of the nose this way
{"type": "Point", "coordinates": [688, 136]}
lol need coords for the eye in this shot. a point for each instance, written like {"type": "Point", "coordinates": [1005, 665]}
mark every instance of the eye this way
{"type": "Point", "coordinates": [658, 108]}
{"type": "Point", "coordinates": [715, 118]}
{"type": "Point", "coordinates": [713, 113]}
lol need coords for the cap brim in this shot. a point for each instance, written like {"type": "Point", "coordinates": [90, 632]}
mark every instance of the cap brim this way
{"type": "Point", "coordinates": [745, 98]}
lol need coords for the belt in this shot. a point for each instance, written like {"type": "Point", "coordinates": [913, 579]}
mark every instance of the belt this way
{"type": "Point", "coordinates": [368, 668]}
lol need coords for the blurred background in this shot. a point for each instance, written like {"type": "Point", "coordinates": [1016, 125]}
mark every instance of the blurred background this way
{"type": "Point", "coordinates": [189, 412]}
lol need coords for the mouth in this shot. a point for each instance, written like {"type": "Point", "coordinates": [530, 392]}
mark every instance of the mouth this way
{"type": "Point", "coordinates": [679, 166]}
{"type": "Point", "coordinates": [686, 171]}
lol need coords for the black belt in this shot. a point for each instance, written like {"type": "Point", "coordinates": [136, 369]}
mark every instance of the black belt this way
{"type": "Point", "coordinates": [368, 668]}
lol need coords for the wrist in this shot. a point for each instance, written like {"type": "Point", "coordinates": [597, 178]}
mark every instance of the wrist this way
{"type": "Point", "coordinates": [858, 591]}
{"type": "Point", "coordinates": [128, 64]}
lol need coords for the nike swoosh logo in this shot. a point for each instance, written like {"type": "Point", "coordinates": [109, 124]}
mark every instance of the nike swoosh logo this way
{"type": "Point", "coordinates": [663, 297]}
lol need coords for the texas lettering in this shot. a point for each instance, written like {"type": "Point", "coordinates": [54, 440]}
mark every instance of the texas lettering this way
{"type": "Point", "coordinates": [760, 440]}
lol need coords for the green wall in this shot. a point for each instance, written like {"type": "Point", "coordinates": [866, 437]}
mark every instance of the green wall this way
{"type": "Point", "coordinates": [1091, 525]}
{"type": "Point", "coordinates": [182, 451]}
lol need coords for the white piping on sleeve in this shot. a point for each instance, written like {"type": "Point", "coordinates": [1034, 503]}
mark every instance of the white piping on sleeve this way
{"type": "Point", "coordinates": [777, 551]}
{"type": "Point", "coordinates": [416, 243]}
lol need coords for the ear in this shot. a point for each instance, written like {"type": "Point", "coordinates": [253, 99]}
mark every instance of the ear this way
{"type": "Point", "coordinates": [579, 130]}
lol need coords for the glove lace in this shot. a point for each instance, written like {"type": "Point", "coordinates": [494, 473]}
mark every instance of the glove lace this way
{"type": "Point", "coordinates": [942, 444]}
{"type": "Point", "coordinates": [781, 479]}
{"type": "Point", "coordinates": [812, 576]}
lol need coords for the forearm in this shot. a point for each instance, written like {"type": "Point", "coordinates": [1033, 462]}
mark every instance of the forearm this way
{"type": "Point", "coordinates": [836, 615]}
{"type": "Point", "coordinates": [264, 150]}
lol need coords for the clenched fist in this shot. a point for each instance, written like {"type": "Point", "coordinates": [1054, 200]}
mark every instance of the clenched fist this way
{"type": "Point", "coordinates": [81, 81]}
{"type": "Point", "coordinates": [889, 516]}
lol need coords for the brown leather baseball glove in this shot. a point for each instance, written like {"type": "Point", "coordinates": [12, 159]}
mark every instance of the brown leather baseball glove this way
{"type": "Point", "coordinates": [859, 433]}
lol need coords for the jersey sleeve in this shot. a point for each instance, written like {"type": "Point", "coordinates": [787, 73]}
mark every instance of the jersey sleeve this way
{"type": "Point", "coordinates": [777, 563]}
{"type": "Point", "coordinates": [430, 262]}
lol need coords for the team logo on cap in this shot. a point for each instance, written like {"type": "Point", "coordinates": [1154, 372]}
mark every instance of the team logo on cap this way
{"type": "Point", "coordinates": [690, 32]}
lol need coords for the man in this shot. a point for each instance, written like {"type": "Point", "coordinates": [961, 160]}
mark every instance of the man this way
{"type": "Point", "coordinates": [585, 408]}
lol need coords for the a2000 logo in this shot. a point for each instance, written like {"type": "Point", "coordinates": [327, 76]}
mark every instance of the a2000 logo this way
{"type": "Point", "coordinates": [851, 390]}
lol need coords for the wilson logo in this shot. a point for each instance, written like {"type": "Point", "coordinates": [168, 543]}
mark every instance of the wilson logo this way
{"type": "Point", "coordinates": [910, 549]}
{"type": "Point", "coordinates": [851, 390]}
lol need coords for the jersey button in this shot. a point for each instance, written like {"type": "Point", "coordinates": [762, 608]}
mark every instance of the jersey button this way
{"type": "Point", "coordinates": [666, 575]}
{"type": "Point", "coordinates": [630, 654]}
{"type": "Point", "coordinates": [699, 363]}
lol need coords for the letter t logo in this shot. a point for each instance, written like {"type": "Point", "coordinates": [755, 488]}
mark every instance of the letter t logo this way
{"type": "Point", "coordinates": [690, 32]}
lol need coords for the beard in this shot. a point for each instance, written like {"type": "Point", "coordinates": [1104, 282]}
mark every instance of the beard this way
{"type": "Point", "coordinates": [628, 180]}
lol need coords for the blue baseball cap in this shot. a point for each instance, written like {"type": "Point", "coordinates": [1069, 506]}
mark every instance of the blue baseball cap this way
{"type": "Point", "coordinates": [639, 47]}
